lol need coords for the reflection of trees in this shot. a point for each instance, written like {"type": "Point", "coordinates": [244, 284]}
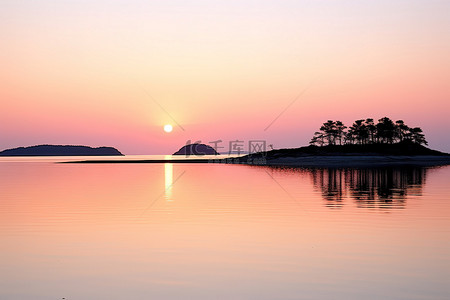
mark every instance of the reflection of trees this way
{"type": "Point", "coordinates": [371, 188]}
{"type": "Point", "coordinates": [332, 184]}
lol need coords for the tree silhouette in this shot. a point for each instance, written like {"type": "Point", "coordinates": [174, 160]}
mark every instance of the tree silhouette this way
{"type": "Point", "coordinates": [417, 136]}
{"type": "Point", "coordinates": [385, 130]}
{"type": "Point", "coordinates": [340, 131]}
{"type": "Point", "coordinates": [371, 130]}
{"type": "Point", "coordinates": [329, 131]}
{"type": "Point", "coordinates": [359, 132]}
{"type": "Point", "coordinates": [367, 132]}
{"type": "Point", "coordinates": [402, 130]}
{"type": "Point", "coordinates": [317, 139]}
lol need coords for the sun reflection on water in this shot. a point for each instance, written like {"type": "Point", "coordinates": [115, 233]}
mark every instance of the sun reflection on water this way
{"type": "Point", "coordinates": [168, 175]}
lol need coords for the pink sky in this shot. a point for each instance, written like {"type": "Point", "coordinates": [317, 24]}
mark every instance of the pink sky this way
{"type": "Point", "coordinates": [76, 72]}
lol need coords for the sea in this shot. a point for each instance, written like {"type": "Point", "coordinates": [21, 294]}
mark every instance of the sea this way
{"type": "Point", "coordinates": [220, 231]}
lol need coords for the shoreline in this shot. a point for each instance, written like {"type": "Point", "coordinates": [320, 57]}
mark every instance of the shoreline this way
{"type": "Point", "coordinates": [138, 161]}
{"type": "Point", "coordinates": [337, 161]}
{"type": "Point", "coordinates": [359, 161]}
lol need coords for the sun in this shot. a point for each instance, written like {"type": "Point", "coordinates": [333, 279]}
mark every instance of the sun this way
{"type": "Point", "coordinates": [168, 128]}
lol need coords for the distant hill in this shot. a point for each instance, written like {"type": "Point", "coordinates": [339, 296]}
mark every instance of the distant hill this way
{"type": "Point", "coordinates": [403, 148]}
{"type": "Point", "coordinates": [60, 150]}
{"type": "Point", "coordinates": [196, 149]}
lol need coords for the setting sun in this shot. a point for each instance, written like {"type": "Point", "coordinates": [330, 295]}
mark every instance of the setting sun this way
{"type": "Point", "coordinates": [310, 152]}
{"type": "Point", "coordinates": [168, 128]}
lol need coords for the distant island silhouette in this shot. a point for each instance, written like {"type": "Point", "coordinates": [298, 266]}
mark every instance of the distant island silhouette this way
{"type": "Point", "coordinates": [60, 150]}
{"type": "Point", "coordinates": [196, 149]}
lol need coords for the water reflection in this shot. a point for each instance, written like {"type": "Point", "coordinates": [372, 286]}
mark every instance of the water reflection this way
{"type": "Point", "coordinates": [384, 188]}
{"type": "Point", "coordinates": [168, 181]}
{"type": "Point", "coordinates": [262, 230]}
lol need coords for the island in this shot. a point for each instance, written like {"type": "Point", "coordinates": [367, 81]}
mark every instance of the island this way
{"type": "Point", "coordinates": [341, 156]}
{"type": "Point", "coordinates": [61, 150]}
{"type": "Point", "coordinates": [363, 144]}
{"type": "Point", "coordinates": [196, 149]}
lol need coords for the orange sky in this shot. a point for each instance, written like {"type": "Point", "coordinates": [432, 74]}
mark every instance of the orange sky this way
{"type": "Point", "coordinates": [76, 72]}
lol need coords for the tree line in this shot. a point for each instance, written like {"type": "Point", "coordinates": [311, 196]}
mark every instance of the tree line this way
{"type": "Point", "coordinates": [367, 132]}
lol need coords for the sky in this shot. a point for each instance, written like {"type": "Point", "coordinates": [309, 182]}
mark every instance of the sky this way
{"type": "Point", "coordinates": [113, 73]}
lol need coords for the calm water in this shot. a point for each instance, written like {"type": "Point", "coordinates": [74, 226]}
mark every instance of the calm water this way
{"type": "Point", "coordinates": [169, 231]}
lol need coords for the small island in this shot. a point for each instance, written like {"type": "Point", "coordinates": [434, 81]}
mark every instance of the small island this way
{"type": "Point", "coordinates": [364, 144]}
{"type": "Point", "coordinates": [196, 149]}
{"type": "Point", "coordinates": [61, 150]}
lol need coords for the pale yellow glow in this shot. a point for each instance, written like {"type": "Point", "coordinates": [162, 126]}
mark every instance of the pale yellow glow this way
{"type": "Point", "coordinates": [168, 175]}
{"type": "Point", "coordinates": [218, 74]}
{"type": "Point", "coordinates": [168, 128]}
